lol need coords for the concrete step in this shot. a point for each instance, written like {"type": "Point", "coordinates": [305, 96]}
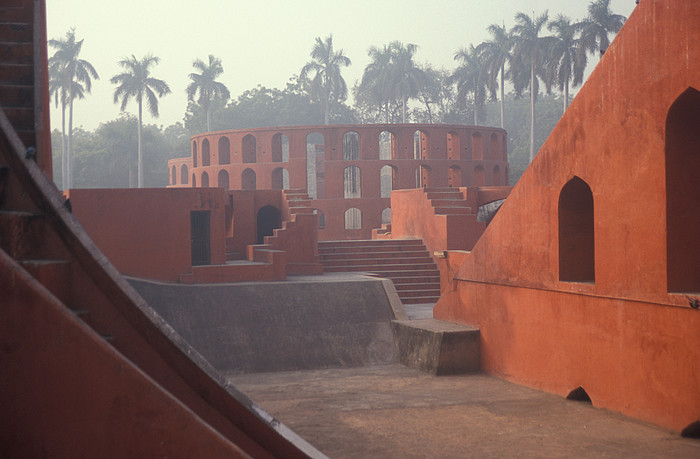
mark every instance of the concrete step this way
{"type": "Point", "coordinates": [417, 285]}
{"type": "Point", "coordinates": [301, 210]}
{"type": "Point", "coordinates": [378, 261]}
{"type": "Point", "coordinates": [453, 210]}
{"type": "Point", "coordinates": [419, 300]}
{"type": "Point", "coordinates": [55, 275]}
{"type": "Point", "coordinates": [437, 347]}
{"type": "Point", "coordinates": [385, 248]}
{"type": "Point", "coordinates": [21, 234]}
{"type": "Point", "coordinates": [22, 74]}
{"type": "Point", "coordinates": [432, 293]}
{"type": "Point", "coordinates": [380, 269]}
{"type": "Point", "coordinates": [16, 95]}
{"type": "Point", "coordinates": [441, 202]}
{"type": "Point", "coordinates": [370, 243]}
{"type": "Point", "coordinates": [16, 53]}
{"type": "Point", "coordinates": [374, 254]}
{"type": "Point", "coordinates": [408, 273]}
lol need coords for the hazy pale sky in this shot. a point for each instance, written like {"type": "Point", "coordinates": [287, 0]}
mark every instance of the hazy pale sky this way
{"type": "Point", "coordinates": [267, 41]}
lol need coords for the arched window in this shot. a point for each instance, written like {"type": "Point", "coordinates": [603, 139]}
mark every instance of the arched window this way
{"type": "Point", "coordinates": [494, 151]}
{"type": "Point", "coordinates": [453, 151]}
{"type": "Point", "coordinates": [173, 176]}
{"type": "Point", "coordinates": [496, 176]}
{"type": "Point", "coordinates": [351, 146]}
{"type": "Point", "coordinates": [353, 218]}
{"type": "Point", "coordinates": [479, 176]}
{"type": "Point", "coordinates": [420, 145]}
{"type": "Point", "coordinates": [386, 180]}
{"type": "Point", "coordinates": [477, 147]}
{"type": "Point", "coordinates": [184, 174]}
{"type": "Point", "coordinates": [194, 153]}
{"type": "Point", "coordinates": [423, 176]}
{"type": "Point", "coordinates": [576, 232]}
{"type": "Point", "coordinates": [205, 180]}
{"type": "Point", "coordinates": [280, 179]}
{"type": "Point", "coordinates": [387, 146]}
{"type": "Point", "coordinates": [248, 180]}
{"type": "Point", "coordinates": [352, 182]}
{"type": "Point", "coordinates": [224, 150]}
{"type": "Point", "coordinates": [386, 216]}
{"type": "Point", "coordinates": [248, 148]}
{"type": "Point", "coordinates": [280, 148]}
{"type": "Point", "coordinates": [321, 218]}
{"type": "Point", "coordinates": [454, 177]}
{"type": "Point", "coordinates": [683, 194]}
{"type": "Point", "coordinates": [222, 180]}
{"type": "Point", "coordinates": [314, 149]}
{"type": "Point", "coordinates": [194, 181]}
{"type": "Point", "coordinates": [205, 152]}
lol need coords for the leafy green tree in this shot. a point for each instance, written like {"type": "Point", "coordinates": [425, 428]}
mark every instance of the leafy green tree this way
{"type": "Point", "coordinates": [406, 78]}
{"type": "Point", "coordinates": [70, 78]}
{"type": "Point", "coordinates": [598, 25]}
{"type": "Point", "coordinates": [470, 78]}
{"type": "Point", "coordinates": [206, 85]}
{"type": "Point", "coordinates": [496, 53]}
{"type": "Point", "coordinates": [327, 83]}
{"type": "Point", "coordinates": [136, 82]}
{"type": "Point", "coordinates": [529, 60]}
{"type": "Point", "coordinates": [376, 85]}
{"type": "Point", "coordinates": [566, 62]}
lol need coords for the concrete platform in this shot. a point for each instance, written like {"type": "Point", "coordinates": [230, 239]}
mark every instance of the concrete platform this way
{"type": "Point", "coordinates": [394, 411]}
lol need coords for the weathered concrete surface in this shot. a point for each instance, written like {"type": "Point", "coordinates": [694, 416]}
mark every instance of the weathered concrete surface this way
{"type": "Point", "coordinates": [395, 411]}
{"type": "Point", "coordinates": [436, 346]}
{"type": "Point", "coordinates": [307, 323]}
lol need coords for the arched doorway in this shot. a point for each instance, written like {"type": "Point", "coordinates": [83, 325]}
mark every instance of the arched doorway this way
{"type": "Point", "coordinates": [269, 218]}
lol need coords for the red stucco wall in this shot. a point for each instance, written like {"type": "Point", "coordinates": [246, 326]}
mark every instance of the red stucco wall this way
{"type": "Point", "coordinates": [624, 338]}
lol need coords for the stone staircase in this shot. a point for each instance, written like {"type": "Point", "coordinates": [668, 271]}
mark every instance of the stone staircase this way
{"type": "Point", "coordinates": [448, 201]}
{"type": "Point", "coordinates": [405, 261]}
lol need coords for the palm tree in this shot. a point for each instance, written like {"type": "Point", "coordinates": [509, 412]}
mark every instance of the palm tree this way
{"type": "Point", "coordinates": [375, 84]}
{"type": "Point", "coordinates": [405, 77]}
{"type": "Point", "coordinates": [496, 53]}
{"type": "Point", "coordinates": [205, 83]}
{"type": "Point", "coordinates": [327, 83]}
{"type": "Point", "coordinates": [470, 78]}
{"type": "Point", "coordinates": [529, 56]}
{"type": "Point", "coordinates": [70, 78]}
{"type": "Point", "coordinates": [136, 81]}
{"type": "Point", "coordinates": [566, 62]}
{"type": "Point", "coordinates": [598, 25]}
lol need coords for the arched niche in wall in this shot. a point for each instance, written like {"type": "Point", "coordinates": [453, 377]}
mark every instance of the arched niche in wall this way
{"type": "Point", "coordinates": [496, 176]}
{"type": "Point", "coordinates": [280, 179]}
{"type": "Point", "coordinates": [249, 148]}
{"type": "Point", "coordinates": [683, 193]}
{"type": "Point", "coordinates": [479, 179]}
{"type": "Point", "coordinates": [423, 176]}
{"type": "Point", "coordinates": [205, 153]}
{"type": "Point", "coordinates": [321, 218]}
{"type": "Point", "coordinates": [387, 145]}
{"type": "Point", "coordinates": [224, 150]}
{"type": "Point", "coordinates": [386, 216]}
{"type": "Point", "coordinates": [477, 147]}
{"type": "Point", "coordinates": [194, 181]}
{"type": "Point", "coordinates": [387, 180]}
{"type": "Point", "coordinates": [351, 146]}
{"type": "Point", "coordinates": [222, 180]}
{"type": "Point", "coordinates": [280, 148]}
{"type": "Point", "coordinates": [494, 147]}
{"type": "Point", "coordinates": [454, 177]}
{"type": "Point", "coordinates": [315, 149]}
{"type": "Point", "coordinates": [184, 174]}
{"type": "Point", "coordinates": [269, 219]}
{"type": "Point", "coordinates": [420, 145]}
{"type": "Point", "coordinates": [352, 182]}
{"type": "Point", "coordinates": [248, 180]}
{"type": "Point", "coordinates": [576, 232]}
{"type": "Point", "coordinates": [453, 145]}
{"type": "Point", "coordinates": [353, 218]}
{"type": "Point", "coordinates": [205, 180]}
{"type": "Point", "coordinates": [194, 153]}
{"type": "Point", "coordinates": [173, 176]}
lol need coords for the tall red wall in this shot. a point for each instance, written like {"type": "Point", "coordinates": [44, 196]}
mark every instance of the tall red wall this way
{"type": "Point", "coordinates": [623, 337]}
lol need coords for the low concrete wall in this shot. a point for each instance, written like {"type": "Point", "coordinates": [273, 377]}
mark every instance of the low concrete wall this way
{"type": "Point", "coordinates": [280, 326]}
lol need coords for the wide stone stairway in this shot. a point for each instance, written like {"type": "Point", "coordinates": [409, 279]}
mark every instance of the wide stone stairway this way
{"type": "Point", "coordinates": [405, 261]}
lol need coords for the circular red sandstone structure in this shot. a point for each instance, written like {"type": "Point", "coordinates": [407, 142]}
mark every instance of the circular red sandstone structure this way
{"type": "Point", "coordinates": [348, 170]}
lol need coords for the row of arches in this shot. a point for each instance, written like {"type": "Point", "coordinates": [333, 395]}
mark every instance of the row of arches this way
{"type": "Point", "coordinates": [279, 179]}
{"type": "Point", "coordinates": [279, 152]}
{"type": "Point", "coordinates": [353, 218]}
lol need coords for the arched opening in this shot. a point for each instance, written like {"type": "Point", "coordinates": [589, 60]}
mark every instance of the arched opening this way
{"type": "Point", "coordinates": [315, 184]}
{"type": "Point", "coordinates": [386, 216]}
{"type": "Point", "coordinates": [579, 395]}
{"type": "Point", "coordinates": [682, 195]}
{"type": "Point", "coordinates": [248, 180]}
{"type": "Point", "coordinates": [387, 145]}
{"type": "Point", "coordinates": [205, 153]}
{"type": "Point", "coordinates": [173, 176]}
{"type": "Point", "coordinates": [222, 180]}
{"type": "Point", "coordinates": [184, 174]}
{"type": "Point", "coordinates": [423, 176]}
{"type": "Point", "coordinates": [496, 176]}
{"type": "Point", "coordinates": [454, 177]}
{"type": "Point", "coordinates": [352, 182]}
{"type": "Point", "coordinates": [224, 150]}
{"type": "Point", "coordinates": [576, 233]}
{"type": "Point", "coordinates": [321, 218]}
{"type": "Point", "coordinates": [351, 146]}
{"type": "Point", "coordinates": [280, 148]}
{"type": "Point", "coordinates": [477, 147]}
{"type": "Point", "coordinates": [494, 150]}
{"type": "Point", "coordinates": [269, 219]}
{"type": "Point", "coordinates": [479, 179]}
{"type": "Point", "coordinates": [248, 149]}
{"type": "Point", "coordinates": [280, 179]}
{"type": "Point", "coordinates": [205, 180]}
{"type": "Point", "coordinates": [387, 180]}
{"type": "Point", "coordinates": [194, 153]}
{"type": "Point", "coordinates": [353, 218]}
{"type": "Point", "coordinates": [420, 145]}
{"type": "Point", "coordinates": [194, 181]}
{"type": "Point", "coordinates": [453, 148]}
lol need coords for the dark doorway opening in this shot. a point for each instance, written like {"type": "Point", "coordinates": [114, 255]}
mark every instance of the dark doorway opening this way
{"type": "Point", "coordinates": [199, 233]}
{"type": "Point", "coordinates": [269, 218]}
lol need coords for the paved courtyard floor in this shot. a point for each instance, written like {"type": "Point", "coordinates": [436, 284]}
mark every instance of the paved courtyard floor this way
{"type": "Point", "coordinates": [395, 411]}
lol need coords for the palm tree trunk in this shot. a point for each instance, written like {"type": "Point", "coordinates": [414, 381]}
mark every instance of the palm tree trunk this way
{"type": "Point", "coordinates": [69, 156]}
{"type": "Point", "coordinates": [476, 117]}
{"type": "Point", "coordinates": [502, 95]}
{"type": "Point", "coordinates": [140, 156]}
{"type": "Point", "coordinates": [403, 108]}
{"type": "Point", "coordinates": [326, 108]}
{"type": "Point", "coordinates": [566, 95]}
{"type": "Point", "coordinates": [64, 161]}
{"type": "Point", "coordinates": [386, 111]}
{"type": "Point", "coordinates": [532, 109]}
{"type": "Point", "coordinates": [208, 118]}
